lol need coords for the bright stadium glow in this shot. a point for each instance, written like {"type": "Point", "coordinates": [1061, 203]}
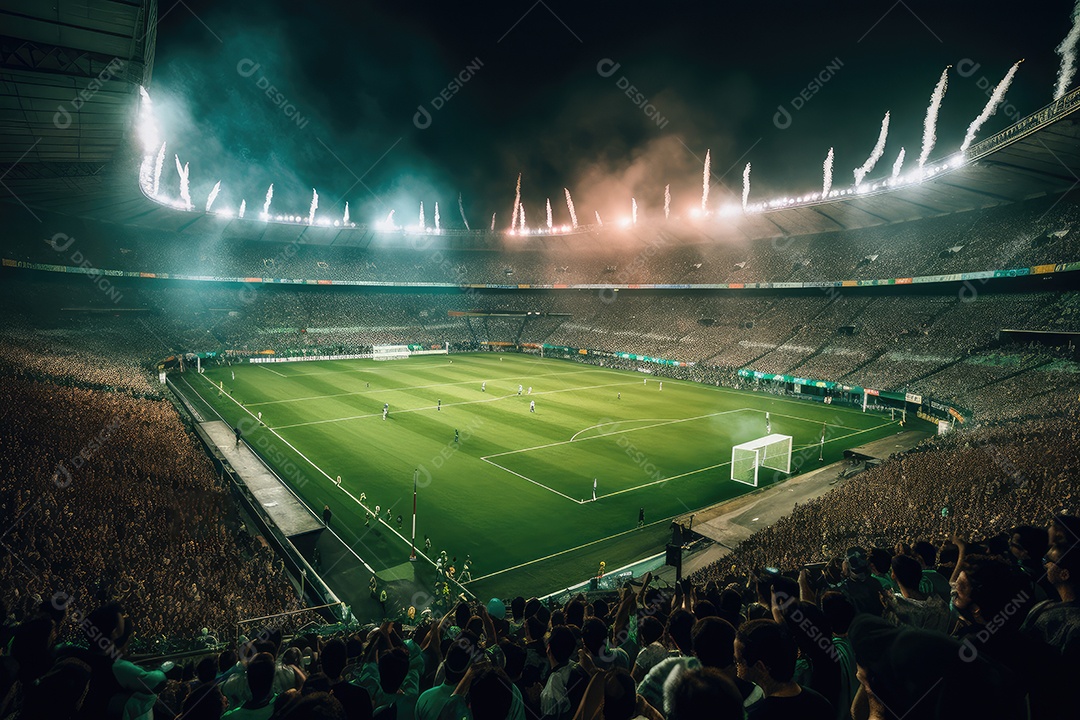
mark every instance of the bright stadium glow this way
{"type": "Point", "coordinates": [154, 147]}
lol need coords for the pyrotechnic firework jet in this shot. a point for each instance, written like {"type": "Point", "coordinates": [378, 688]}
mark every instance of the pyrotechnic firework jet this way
{"type": "Point", "coordinates": [492, 222]}
{"type": "Point", "coordinates": [345, 217]}
{"type": "Point", "coordinates": [875, 154]}
{"type": "Point", "coordinates": [705, 176]}
{"type": "Point", "coordinates": [1067, 51]}
{"type": "Point", "coordinates": [185, 193]}
{"type": "Point", "coordinates": [517, 204]}
{"type": "Point", "coordinates": [827, 168]}
{"type": "Point", "coordinates": [930, 123]}
{"type": "Point", "coordinates": [438, 226]}
{"type": "Point", "coordinates": [243, 209]}
{"type": "Point", "coordinates": [549, 223]}
{"type": "Point", "coordinates": [521, 216]}
{"type": "Point", "coordinates": [570, 207]}
{"type": "Point", "coordinates": [213, 195]}
{"type": "Point", "coordinates": [633, 211]}
{"type": "Point", "coordinates": [313, 208]}
{"type": "Point", "coordinates": [157, 169]}
{"type": "Point", "coordinates": [269, 197]}
{"type": "Point", "coordinates": [667, 201]}
{"type": "Point", "coordinates": [389, 221]}
{"type": "Point", "coordinates": [745, 185]}
{"type": "Point", "coordinates": [461, 207]}
{"type": "Point", "coordinates": [896, 166]}
{"type": "Point", "coordinates": [423, 222]}
{"type": "Point", "coordinates": [991, 106]}
{"type": "Point", "coordinates": [598, 220]}
{"type": "Point", "coordinates": [147, 126]}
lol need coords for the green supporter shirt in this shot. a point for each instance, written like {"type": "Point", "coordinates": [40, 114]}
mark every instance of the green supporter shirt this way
{"type": "Point", "coordinates": [886, 582]}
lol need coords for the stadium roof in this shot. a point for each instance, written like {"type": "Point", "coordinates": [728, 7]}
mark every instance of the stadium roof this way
{"type": "Point", "coordinates": [71, 70]}
{"type": "Point", "coordinates": [1037, 156]}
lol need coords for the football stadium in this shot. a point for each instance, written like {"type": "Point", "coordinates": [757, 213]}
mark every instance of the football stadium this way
{"type": "Point", "coordinates": [539, 362]}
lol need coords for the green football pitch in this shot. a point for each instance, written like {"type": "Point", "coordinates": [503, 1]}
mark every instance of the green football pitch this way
{"type": "Point", "coordinates": [515, 488]}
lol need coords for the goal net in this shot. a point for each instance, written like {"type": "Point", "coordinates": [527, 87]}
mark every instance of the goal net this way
{"type": "Point", "coordinates": [772, 452]}
{"type": "Point", "coordinates": [390, 352]}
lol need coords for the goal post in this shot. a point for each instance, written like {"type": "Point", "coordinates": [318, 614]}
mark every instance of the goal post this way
{"type": "Point", "coordinates": [772, 452]}
{"type": "Point", "coordinates": [390, 352]}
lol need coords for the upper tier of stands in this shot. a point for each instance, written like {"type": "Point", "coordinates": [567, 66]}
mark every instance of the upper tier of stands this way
{"type": "Point", "coordinates": [1037, 232]}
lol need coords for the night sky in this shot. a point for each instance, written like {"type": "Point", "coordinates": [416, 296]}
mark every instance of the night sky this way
{"type": "Point", "coordinates": [348, 79]}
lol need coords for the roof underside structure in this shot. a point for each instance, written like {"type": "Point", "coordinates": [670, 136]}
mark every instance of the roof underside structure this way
{"type": "Point", "coordinates": [70, 72]}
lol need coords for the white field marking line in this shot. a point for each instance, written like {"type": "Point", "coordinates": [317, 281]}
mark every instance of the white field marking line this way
{"type": "Point", "coordinates": [616, 432]}
{"type": "Point", "coordinates": [579, 547]}
{"type": "Point", "coordinates": [323, 472]}
{"type": "Point", "coordinates": [713, 467]}
{"type": "Point", "coordinates": [796, 417]}
{"type": "Point", "coordinates": [773, 398]}
{"type": "Point", "coordinates": [385, 390]}
{"type": "Point", "coordinates": [432, 407]}
{"type": "Point", "coordinates": [534, 482]}
{"type": "Point", "coordinates": [673, 477]}
{"type": "Point", "coordinates": [616, 422]}
{"type": "Point", "coordinates": [627, 532]}
{"type": "Point", "coordinates": [263, 366]}
{"type": "Point", "coordinates": [372, 371]}
{"type": "Point", "coordinates": [349, 548]}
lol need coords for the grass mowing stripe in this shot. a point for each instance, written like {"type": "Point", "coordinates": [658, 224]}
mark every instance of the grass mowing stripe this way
{"type": "Point", "coordinates": [432, 407]}
{"type": "Point", "coordinates": [323, 472]}
{"type": "Point", "coordinates": [470, 505]}
{"type": "Point", "coordinates": [386, 390]}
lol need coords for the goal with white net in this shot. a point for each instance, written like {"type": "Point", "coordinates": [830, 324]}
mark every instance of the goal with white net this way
{"type": "Point", "coordinates": [772, 452]}
{"type": "Point", "coordinates": [390, 352]}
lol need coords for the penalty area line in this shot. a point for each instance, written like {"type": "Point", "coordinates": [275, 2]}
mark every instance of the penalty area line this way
{"type": "Point", "coordinates": [534, 482]}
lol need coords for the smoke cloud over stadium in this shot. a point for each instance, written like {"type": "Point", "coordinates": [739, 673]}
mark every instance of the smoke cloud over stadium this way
{"type": "Point", "coordinates": [328, 100]}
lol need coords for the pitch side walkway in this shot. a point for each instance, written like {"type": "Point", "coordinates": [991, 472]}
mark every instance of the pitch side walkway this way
{"type": "Point", "coordinates": [290, 515]}
{"type": "Point", "coordinates": [339, 566]}
{"type": "Point", "coordinates": [731, 522]}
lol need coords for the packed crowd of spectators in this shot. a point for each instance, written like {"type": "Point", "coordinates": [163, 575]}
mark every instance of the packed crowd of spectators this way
{"type": "Point", "coordinates": [121, 502]}
{"type": "Point", "coordinates": [986, 626]}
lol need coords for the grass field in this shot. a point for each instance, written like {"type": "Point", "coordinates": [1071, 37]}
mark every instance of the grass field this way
{"type": "Point", "coordinates": [515, 490]}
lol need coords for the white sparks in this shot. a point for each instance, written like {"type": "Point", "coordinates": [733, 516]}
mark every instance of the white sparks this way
{"type": "Point", "coordinates": [1067, 51]}
{"type": "Point", "coordinates": [598, 220]}
{"type": "Point", "coordinates": [667, 201]}
{"type": "Point", "coordinates": [899, 164]}
{"type": "Point", "coordinates": [147, 126]}
{"type": "Point", "coordinates": [389, 221]}
{"type": "Point", "coordinates": [633, 211]}
{"type": "Point", "coordinates": [461, 207]}
{"type": "Point", "coordinates": [826, 184]}
{"type": "Point", "coordinates": [313, 208]}
{"type": "Point", "coordinates": [930, 123]}
{"type": "Point", "coordinates": [243, 209]}
{"type": "Point", "coordinates": [991, 106]}
{"type": "Point", "coordinates": [438, 225]}
{"type": "Point", "coordinates": [705, 177]}
{"type": "Point", "coordinates": [158, 166]}
{"type": "Point", "coordinates": [875, 154]}
{"type": "Point", "coordinates": [345, 217]}
{"type": "Point", "coordinates": [570, 207]}
{"type": "Point", "coordinates": [269, 197]}
{"type": "Point", "coordinates": [213, 195]}
{"type": "Point", "coordinates": [745, 185]}
{"type": "Point", "coordinates": [492, 222]}
{"type": "Point", "coordinates": [521, 216]}
{"type": "Point", "coordinates": [185, 193]}
{"type": "Point", "coordinates": [549, 223]}
{"type": "Point", "coordinates": [422, 220]}
{"type": "Point", "coordinates": [517, 204]}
